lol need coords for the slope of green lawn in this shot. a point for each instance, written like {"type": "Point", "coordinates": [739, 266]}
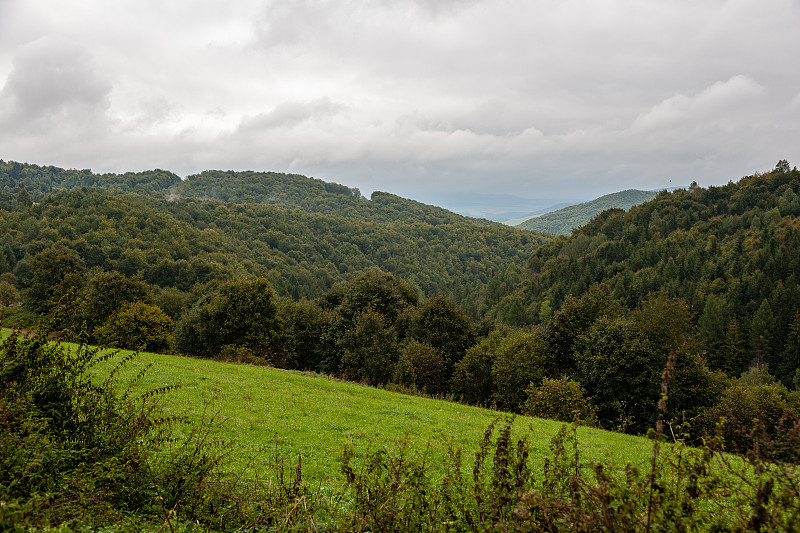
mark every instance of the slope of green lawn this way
{"type": "Point", "coordinates": [258, 413]}
{"type": "Point", "coordinates": [255, 414]}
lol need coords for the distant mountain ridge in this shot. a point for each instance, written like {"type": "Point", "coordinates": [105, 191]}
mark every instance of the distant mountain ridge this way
{"type": "Point", "coordinates": [303, 234]}
{"type": "Point", "coordinates": [563, 221]}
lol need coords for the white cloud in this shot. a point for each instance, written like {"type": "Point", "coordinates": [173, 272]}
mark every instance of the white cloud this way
{"type": "Point", "coordinates": [719, 99]}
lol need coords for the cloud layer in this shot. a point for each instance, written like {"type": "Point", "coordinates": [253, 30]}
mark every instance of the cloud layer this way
{"type": "Point", "coordinates": [542, 99]}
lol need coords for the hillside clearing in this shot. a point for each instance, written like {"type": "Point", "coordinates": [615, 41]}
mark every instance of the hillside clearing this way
{"type": "Point", "coordinates": [257, 413]}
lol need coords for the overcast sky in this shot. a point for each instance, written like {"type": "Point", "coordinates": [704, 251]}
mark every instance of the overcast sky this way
{"type": "Point", "coordinates": [537, 98]}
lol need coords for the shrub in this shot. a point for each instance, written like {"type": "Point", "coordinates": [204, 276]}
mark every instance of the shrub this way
{"type": "Point", "coordinates": [559, 399]}
{"type": "Point", "coordinates": [756, 407]}
{"type": "Point", "coordinates": [237, 314]}
{"type": "Point", "coordinates": [137, 326]}
{"type": "Point", "coordinates": [81, 452]}
{"type": "Point", "coordinates": [71, 448]}
{"type": "Point", "coordinates": [423, 367]}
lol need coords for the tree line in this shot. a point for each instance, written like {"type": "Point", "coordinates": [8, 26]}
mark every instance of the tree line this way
{"type": "Point", "coordinates": [181, 244]}
{"type": "Point", "coordinates": [730, 253]}
{"type": "Point", "coordinates": [584, 330]}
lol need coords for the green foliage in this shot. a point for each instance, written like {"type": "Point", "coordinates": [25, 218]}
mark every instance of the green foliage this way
{"type": "Point", "coordinates": [521, 358]}
{"type": "Point", "coordinates": [24, 199]}
{"type": "Point", "coordinates": [39, 181]}
{"type": "Point", "coordinates": [376, 290]}
{"type": "Point", "coordinates": [472, 378]}
{"type": "Point", "coordinates": [9, 295]}
{"type": "Point", "coordinates": [303, 324]}
{"type": "Point", "coordinates": [512, 484]}
{"type": "Point", "coordinates": [712, 328]}
{"type": "Point", "coordinates": [728, 252]}
{"type": "Point", "coordinates": [782, 166]}
{"type": "Point", "coordinates": [172, 301]}
{"type": "Point", "coordinates": [443, 325]}
{"type": "Point", "coordinates": [82, 451]}
{"type": "Point", "coordinates": [575, 318]}
{"type": "Point", "coordinates": [72, 448]}
{"type": "Point", "coordinates": [619, 373]}
{"type": "Point", "coordinates": [559, 399]}
{"type": "Point", "coordinates": [762, 333]}
{"type": "Point", "coordinates": [367, 317]}
{"type": "Point", "coordinates": [422, 367]}
{"type": "Point", "coordinates": [188, 242]}
{"type": "Point", "coordinates": [371, 349]}
{"type": "Point", "coordinates": [682, 490]}
{"type": "Point", "coordinates": [137, 326]}
{"type": "Point", "coordinates": [107, 293]}
{"type": "Point", "coordinates": [241, 314]}
{"type": "Point", "coordinates": [755, 409]}
{"type": "Point", "coordinates": [57, 273]}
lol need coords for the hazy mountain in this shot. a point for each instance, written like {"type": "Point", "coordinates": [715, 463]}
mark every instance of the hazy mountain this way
{"type": "Point", "coordinates": [564, 220]}
{"type": "Point", "coordinates": [496, 207]}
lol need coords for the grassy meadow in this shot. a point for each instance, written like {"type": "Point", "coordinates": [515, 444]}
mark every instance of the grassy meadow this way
{"type": "Point", "coordinates": [256, 416]}
{"type": "Point", "coordinates": [258, 413]}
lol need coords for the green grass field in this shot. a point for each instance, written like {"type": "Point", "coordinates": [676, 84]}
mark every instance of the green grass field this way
{"type": "Point", "coordinates": [258, 413]}
{"type": "Point", "coordinates": [255, 414]}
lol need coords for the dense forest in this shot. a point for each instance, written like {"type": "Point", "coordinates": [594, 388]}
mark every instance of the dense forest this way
{"type": "Point", "coordinates": [298, 273]}
{"type": "Point", "coordinates": [312, 236]}
{"type": "Point", "coordinates": [730, 253]}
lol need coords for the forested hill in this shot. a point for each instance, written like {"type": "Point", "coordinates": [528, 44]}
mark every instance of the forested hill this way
{"type": "Point", "coordinates": [185, 242]}
{"type": "Point", "coordinates": [311, 195]}
{"type": "Point", "coordinates": [563, 221]}
{"type": "Point", "coordinates": [290, 191]}
{"type": "Point", "coordinates": [40, 181]}
{"type": "Point", "coordinates": [731, 252]}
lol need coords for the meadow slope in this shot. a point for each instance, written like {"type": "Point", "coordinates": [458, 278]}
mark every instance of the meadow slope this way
{"type": "Point", "coordinates": [257, 412]}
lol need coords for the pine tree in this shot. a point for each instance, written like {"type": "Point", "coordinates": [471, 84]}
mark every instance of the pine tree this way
{"type": "Point", "coordinates": [790, 356]}
{"type": "Point", "coordinates": [711, 329]}
{"type": "Point", "coordinates": [737, 359]}
{"type": "Point", "coordinates": [762, 330]}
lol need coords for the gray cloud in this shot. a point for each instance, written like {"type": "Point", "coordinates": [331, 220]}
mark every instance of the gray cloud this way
{"type": "Point", "coordinates": [290, 114]}
{"type": "Point", "coordinates": [409, 96]}
{"type": "Point", "coordinates": [53, 81]}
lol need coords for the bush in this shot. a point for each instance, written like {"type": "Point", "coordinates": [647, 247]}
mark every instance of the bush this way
{"type": "Point", "coordinates": [237, 314]}
{"type": "Point", "coordinates": [755, 408]}
{"type": "Point", "coordinates": [71, 447]}
{"type": "Point", "coordinates": [422, 367]}
{"type": "Point", "coordinates": [559, 399]}
{"type": "Point", "coordinates": [79, 455]}
{"type": "Point", "coordinates": [137, 326]}
{"type": "Point", "coordinates": [686, 489]}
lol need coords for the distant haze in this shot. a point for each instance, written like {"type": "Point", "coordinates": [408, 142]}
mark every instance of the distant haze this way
{"type": "Point", "coordinates": [497, 207]}
{"type": "Point", "coordinates": [552, 100]}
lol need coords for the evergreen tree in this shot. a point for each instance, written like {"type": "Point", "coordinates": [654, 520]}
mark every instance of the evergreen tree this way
{"type": "Point", "coordinates": [761, 334]}
{"type": "Point", "coordinates": [790, 356]}
{"type": "Point", "coordinates": [711, 329]}
{"type": "Point", "coordinates": [737, 357]}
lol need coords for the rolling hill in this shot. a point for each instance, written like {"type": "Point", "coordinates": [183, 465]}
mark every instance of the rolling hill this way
{"type": "Point", "coordinates": [563, 221]}
{"type": "Point", "coordinates": [303, 234]}
{"type": "Point", "coordinates": [729, 252]}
